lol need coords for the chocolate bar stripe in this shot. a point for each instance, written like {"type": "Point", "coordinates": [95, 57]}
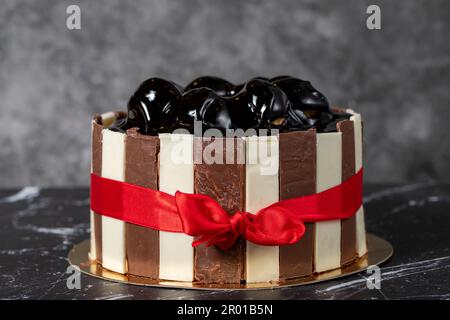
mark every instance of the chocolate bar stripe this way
{"type": "Point", "coordinates": [327, 252]}
{"type": "Point", "coordinates": [141, 168]}
{"type": "Point", "coordinates": [348, 226]}
{"type": "Point", "coordinates": [261, 190]}
{"type": "Point", "coordinates": [96, 168]}
{"type": "Point", "coordinates": [176, 172]}
{"type": "Point", "coordinates": [361, 242]}
{"type": "Point", "coordinates": [226, 184]}
{"type": "Point", "coordinates": [297, 177]}
{"type": "Point", "coordinates": [99, 123]}
{"type": "Point", "coordinates": [113, 230]}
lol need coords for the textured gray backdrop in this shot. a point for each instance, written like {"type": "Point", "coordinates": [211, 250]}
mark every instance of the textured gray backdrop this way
{"type": "Point", "coordinates": [52, 80]}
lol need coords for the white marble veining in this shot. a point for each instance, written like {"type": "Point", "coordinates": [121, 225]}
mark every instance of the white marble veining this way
{"type": "Point", "coordinates": [390, 192]}
{"type": "Point", "coordinates": [420, 203]}
{"type": "Point", "coordinates": [26, 193]}
{"type": "Point", "coordinates": [398, 271]}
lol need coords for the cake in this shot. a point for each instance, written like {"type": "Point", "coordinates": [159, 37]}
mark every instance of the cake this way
{"type": "Point", "coordinates": [267, 141]}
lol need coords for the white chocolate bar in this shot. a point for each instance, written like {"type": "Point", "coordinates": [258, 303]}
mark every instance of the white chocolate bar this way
{"type": "Point", "coordinates": [261, 190]}
{"type": "Point", "coordinates": [176, 172]}
{"type": "Point", "coordinates": [113, 230]}
{"type": "Point", "coordinates": [329, 174]}
{"type": "Point", "coordinates": [361, 242]}
{"type": "Point", "coordinates": [93, 250]}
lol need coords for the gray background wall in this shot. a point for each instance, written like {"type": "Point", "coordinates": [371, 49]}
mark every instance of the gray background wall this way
{"type": "Point", "coordinates": [52, 80]}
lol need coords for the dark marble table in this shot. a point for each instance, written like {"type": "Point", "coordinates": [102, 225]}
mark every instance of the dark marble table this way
{"type": "Point", "coordinates": [39, 226]}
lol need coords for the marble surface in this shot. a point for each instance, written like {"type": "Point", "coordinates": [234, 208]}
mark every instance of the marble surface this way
{"type": "Point", "coordinates": [39, 226]}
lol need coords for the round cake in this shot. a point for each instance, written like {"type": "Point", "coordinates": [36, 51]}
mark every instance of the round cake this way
{"type": "Point", "coordinates": [240, 149]}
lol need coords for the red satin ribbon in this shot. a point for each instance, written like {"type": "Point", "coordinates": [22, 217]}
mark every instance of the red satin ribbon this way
{"type": "Point", "coordinates": [200, 216]}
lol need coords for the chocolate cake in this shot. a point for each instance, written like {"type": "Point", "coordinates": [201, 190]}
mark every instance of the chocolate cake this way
{"type": "Point", "coordinates": [247, 147]}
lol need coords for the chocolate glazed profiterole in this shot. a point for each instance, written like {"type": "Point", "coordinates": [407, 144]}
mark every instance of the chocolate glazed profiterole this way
{"type": "Point", "coordinates": [293, 107]}
{"type": "Point", "coordinates": [284, 103]}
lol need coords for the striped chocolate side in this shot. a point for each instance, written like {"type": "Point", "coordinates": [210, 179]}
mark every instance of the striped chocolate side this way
{"type": "Point", "coordinates": [348, 226]}
{"type": "Point", "coordinates": [226, 184]}
{"type": "Point", "coordinates": [176, 172]}
{"type": "Point", "coordinates": [113, 230]}
{"type": "Point", "coordinates": [327, 251]}
{"type": "Point", "coordinates": [141, 168]}
{"type": "Point", "coordinates": [261, 190]}
{"type": "Point", "coordinates": [96, 168]}
{"type": "Point", "coordinates": [297, 178]}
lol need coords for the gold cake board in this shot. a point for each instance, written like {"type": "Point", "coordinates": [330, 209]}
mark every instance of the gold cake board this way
{"type": "Point", "coordinates": [379, 250]}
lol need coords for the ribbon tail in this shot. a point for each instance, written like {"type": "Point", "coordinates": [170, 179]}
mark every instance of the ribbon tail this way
{"type": "Point", "coordinates": [207, 238]}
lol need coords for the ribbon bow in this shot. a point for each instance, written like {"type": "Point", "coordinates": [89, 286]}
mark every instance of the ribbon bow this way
{"type": "Point", "coordinates": [200, 216]}
{"type": "Point", "coordinates": [204, 218]}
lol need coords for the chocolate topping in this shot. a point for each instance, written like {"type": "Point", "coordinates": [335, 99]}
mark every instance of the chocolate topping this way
{"type": "Point", "coordinates": [151, 107]}
{"type": "Point", "coordinates": [220, 86]}
{"type": "Point", "coordinates": [284, 103]}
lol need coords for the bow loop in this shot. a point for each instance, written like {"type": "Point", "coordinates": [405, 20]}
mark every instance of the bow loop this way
{"type": "Point", "coordinates": [204, 218]}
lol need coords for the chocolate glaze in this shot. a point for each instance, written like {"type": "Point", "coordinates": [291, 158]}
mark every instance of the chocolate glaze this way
{"type": "Point", "coordinates": [348, 226]}
{"type": "Point", "coordinates": [226, 184]}
{"type": "Point", "coordinates": [284, 103]}
{"type": "Point", "coordinates": [151, 107]}
{"type": "Point", "coordinates": [220, 86]}
{"type": "Point", "coordinates": [141, 168]}
{"type": "Point", "coordinates": [268, 104]}
{"type": "Point", "coordinates": [298, 178]}
{"type": "Point", "coordinates": [97, 128]}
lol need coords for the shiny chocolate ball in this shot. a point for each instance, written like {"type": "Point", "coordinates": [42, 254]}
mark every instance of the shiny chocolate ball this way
{"type": "Point", "coordinates": [310, 117]}
{"type": "Point", "coordinates": [278, 78]}
{"type": "Point", "coordinates": [151, 107]}
{"type": "Point", "coordinates": [302, 94]}
{"type": "Point", "coordinates": [214, 113]}
{"type": "Point", "coordinates": [190, 102]}
{"type": "Point", "coordinates": [220, 86]}
{"type": "Point", "coordinates": [243, 113]}
{"type": "Point", "coordinates": [327, 125]}
{"type": "Point", "coordinates": [269, 101]}
{"type": "Point", "coordinates": [260, 78]}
